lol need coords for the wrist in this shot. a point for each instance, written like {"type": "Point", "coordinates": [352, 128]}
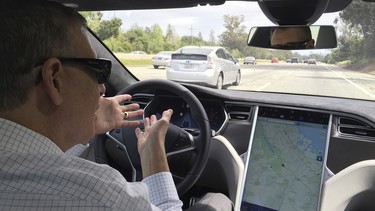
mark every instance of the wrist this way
{"type": "Point", "coordinates": [153, 162]}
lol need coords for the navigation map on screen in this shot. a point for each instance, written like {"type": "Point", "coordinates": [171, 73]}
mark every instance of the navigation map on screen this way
{"type": "Point", "coordinates": [286, 160]}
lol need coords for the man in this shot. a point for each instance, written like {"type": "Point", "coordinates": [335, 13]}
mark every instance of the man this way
{"type": "Point", "coordinates": [292, 38]}
{"type": "Point", "coordinates": [51, 86]}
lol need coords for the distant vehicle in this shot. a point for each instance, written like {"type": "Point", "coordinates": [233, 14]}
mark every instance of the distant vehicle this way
{"type": "Point", "coordinates": [294, 60]}
{"type": "Point", "coordinates": [161, 59]}
{"type": "Point", "coordinates": [274, 60]}
{"type": "Point", "coordinates": [306, 61]}
{"type": "Point", "coordinates": [311, 61]}
{"type": "Point", "coordinates": [249, 60]}
{"type": "Point", "coordinates": [205, 65]}
{"type": "Point", "coordinates": [138, 52]}
{"type": "Point", "coordinates": [288, 60]}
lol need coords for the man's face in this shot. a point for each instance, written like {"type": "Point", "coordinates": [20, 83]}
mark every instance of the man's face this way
{"type": "Point", "coordinates": [81, 99]}
{"type": "Point", "coordinates": [289, 37]}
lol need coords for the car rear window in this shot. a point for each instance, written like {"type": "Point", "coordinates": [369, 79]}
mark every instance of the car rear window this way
{"type": "Point", "coordinates": [182, 56]}
{"type": "Point", "coordinates": [204, 51]}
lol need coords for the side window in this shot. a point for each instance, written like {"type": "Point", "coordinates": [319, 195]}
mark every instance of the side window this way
{"type": "Point", "coordinates": [220, 53]}
{"type": "Point", "coordinates": [228, 56]}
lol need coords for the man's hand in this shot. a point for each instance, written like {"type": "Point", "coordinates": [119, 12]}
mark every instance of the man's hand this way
{"type": "Point", "coordinates": [151, 144]}
{"type": "Point", "coordinates": [111, 114]}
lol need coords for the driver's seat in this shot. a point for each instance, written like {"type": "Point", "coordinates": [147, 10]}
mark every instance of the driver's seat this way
{"type": "Point", "coordinates": [351, 189]}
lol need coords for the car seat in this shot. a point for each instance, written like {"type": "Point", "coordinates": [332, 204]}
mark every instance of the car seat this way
{"type": "Point", "coordinates": [351, 189]}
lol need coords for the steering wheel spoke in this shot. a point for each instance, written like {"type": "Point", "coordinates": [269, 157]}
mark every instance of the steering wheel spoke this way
{"type": "Point", "coordinates": [185, 143]}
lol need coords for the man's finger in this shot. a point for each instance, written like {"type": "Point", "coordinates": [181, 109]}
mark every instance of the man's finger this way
{"type": "Point", "coordinates": [122, 98]}
{"type": "Point", "coordinates": [167, 114]}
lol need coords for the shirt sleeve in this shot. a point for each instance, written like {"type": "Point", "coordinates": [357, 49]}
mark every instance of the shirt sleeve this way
{"type": "Point", "coordinates": [162, 192]}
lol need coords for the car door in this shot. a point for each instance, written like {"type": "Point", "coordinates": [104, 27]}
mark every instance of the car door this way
{"type": "Point", "coordinates": [231, 67]}
{"type": "Point", "coordinates": [225, 65]}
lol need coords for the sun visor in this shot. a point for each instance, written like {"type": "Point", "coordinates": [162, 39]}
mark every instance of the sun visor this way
{"type": "Point", "coordinates": [338, 5]}
{"type": "Point", "coordinates": [293, 12]}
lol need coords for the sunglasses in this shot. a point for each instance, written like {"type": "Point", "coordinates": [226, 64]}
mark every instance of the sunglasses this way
{"type": "Point", "coordinates": [100, 67]}
{"type": "Point", "coordinates": [291, 46]}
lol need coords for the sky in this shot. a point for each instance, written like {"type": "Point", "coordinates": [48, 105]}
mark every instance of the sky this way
{"type": "Point", "coordinates": [191, 21]}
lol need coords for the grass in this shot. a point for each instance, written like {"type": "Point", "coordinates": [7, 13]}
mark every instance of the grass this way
{"type": "Point", "coordinates": [131, 59]}
{"type": "Point", "coordinates": [364, 65]}
{"type": "Point", "coordinates": [346, 62]}
{"type": "Point", "coordinates": [263, 60]}
{"type": "Point", "coordinates": [136, 61]}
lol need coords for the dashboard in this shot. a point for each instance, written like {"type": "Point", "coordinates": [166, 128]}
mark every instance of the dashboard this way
{"type": "Point", "coordinates": [232, 116]}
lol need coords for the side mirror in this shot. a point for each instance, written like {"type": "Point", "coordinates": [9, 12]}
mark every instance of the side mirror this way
{"type": "Point", "coordinates": [293, 37]}
{"type": "Point", "coordinates": [236, 60]}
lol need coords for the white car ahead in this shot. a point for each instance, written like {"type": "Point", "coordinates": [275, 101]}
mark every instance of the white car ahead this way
{"type": "Point", "coordinates": [161, 59]}
{"type": "Point", "coordinates": [249, 60]}
{"type": "Point", "coordinates": [205, 65]}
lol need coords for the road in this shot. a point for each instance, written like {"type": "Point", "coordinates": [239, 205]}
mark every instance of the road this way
{"type": "Point", "coordinates": [320, 79]}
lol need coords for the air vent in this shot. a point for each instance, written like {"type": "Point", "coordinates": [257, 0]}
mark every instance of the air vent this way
{"type": "Point", "coordinates": [238, 111]}
{"type": "Point", "coordinates": [141, 99]}
{"type": "Point", "coordinates": [350, 121]}
{"type": "Point", "coordinates": [354, 127]}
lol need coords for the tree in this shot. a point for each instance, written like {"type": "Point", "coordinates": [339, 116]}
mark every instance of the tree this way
{"type": "Point", "coordinates": [109, 28]}
{"type": "Point", "coordinates": [350, 44]}
{"type": "Point", "coordinates": [137, 38]}
{"type": "Point", "coordinates": [235, 35]}
{"type": "Point", "coordinates": [117, 46]}
{"type": "Point", "coordinates": [156, 37]}
{"type": "Point", "coordinates": [200, 36]}
{"type": "Point", "coordinates": [191, 40]}
{"type": "Point", "coordinates": [171, 33]}
{"type": "Point", "coordinates": [251, 51]}
{"type": "Point", "coordinates": [171, 39]}
{"type": "Point", "coordinates": [357, 14]}
{"type": "Point", "coordinates": [93, 20]}
{"type": "Point", "coordinates": [212, 39]}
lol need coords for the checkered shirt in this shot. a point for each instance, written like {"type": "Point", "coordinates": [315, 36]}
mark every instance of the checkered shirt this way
{"type": "Point", "coordinates": [35, 174]}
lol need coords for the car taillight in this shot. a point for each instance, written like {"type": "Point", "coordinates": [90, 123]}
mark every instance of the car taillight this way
{"type": "Point", "coordinates": [210, 63]}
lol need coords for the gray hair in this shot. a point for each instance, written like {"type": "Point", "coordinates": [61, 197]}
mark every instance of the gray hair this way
{"type": "Point", "coordinates": [31, 31]}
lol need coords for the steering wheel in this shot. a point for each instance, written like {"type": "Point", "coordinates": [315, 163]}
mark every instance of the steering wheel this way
{"type": "Point", "coordinates": [118, 148]}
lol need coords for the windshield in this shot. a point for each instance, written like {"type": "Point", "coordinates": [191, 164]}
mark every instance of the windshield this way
{"type": "Point", "coordinates": [346, 71]}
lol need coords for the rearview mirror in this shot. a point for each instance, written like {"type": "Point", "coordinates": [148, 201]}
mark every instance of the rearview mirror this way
{"type": "Point", "coordinates": [293, 37]}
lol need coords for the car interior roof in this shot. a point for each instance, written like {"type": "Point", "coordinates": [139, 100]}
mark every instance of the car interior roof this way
{"type": "Point", "coordinates": [102, 5]}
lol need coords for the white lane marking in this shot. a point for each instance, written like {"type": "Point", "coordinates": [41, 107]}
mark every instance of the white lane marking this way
{"type": "Point", "coordinates": [351, 82]}
{"type": "Point", "coordinates": [267, 84]}
{"type": "Point", "coordinates": [263, 87]}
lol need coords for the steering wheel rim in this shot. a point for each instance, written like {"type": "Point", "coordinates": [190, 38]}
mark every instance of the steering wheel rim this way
{"type": "Point", "coordinates": [198, 113]}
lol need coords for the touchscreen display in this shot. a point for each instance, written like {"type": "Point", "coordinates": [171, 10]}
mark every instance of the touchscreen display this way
{"type": "Point", "coordinates": [286, 160]}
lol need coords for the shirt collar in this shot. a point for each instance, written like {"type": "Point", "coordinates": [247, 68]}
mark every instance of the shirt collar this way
{"type": "Point", "coordinates": [19, 139]}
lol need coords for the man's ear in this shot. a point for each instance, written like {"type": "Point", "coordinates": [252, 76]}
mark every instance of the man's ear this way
{"type": "Point", "coordinates": [51, 79]}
